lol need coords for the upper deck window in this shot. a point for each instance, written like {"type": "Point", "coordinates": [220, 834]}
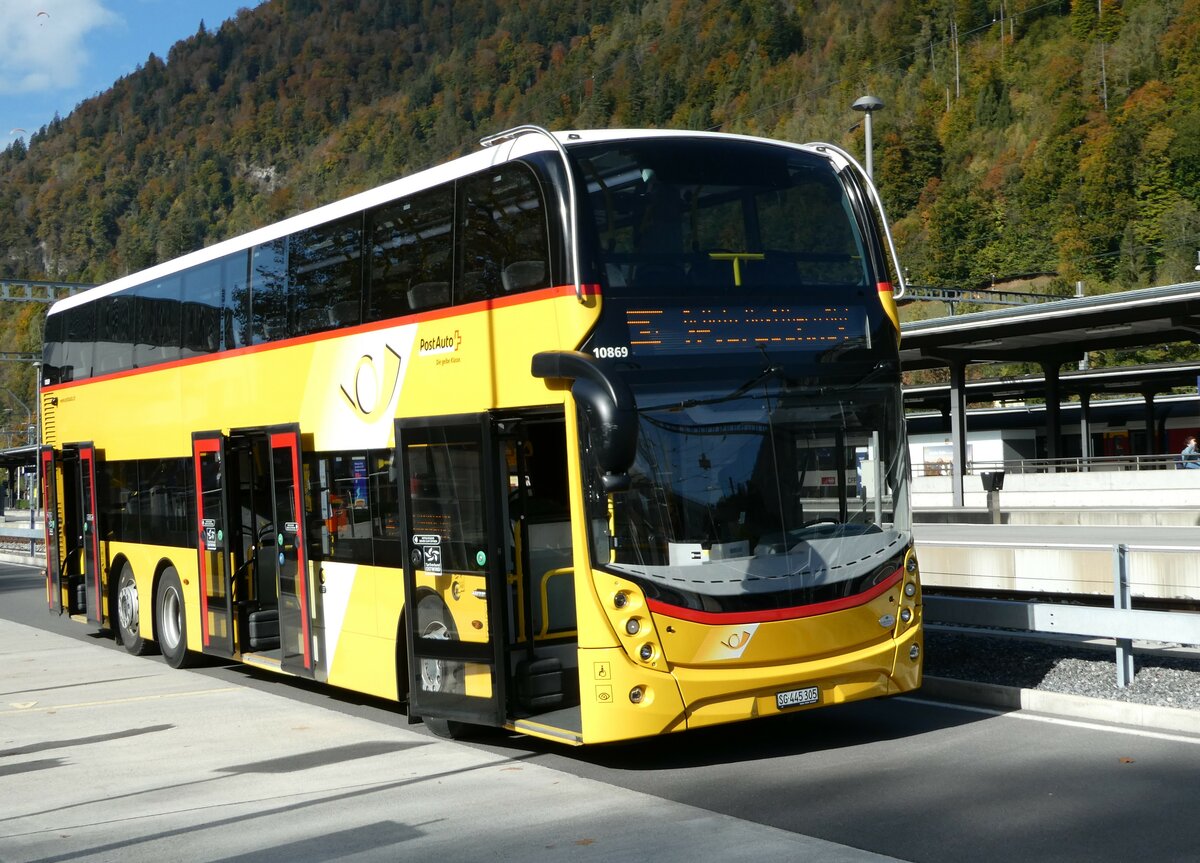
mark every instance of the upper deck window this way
{"type": "Point", "coordinates": [719, 215]}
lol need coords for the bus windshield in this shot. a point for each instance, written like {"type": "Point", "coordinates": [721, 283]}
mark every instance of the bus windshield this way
{"type": "Point", "coordinates": [741, 305]}
{"type": "Point", "coordinates": [771, 495]}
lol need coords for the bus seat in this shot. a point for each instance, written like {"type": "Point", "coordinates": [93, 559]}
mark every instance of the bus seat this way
{"type": "Point", "coordinates": [344, 314]}
{"type": "Point", "coordinates": [524, 276]}
{"type": "Point", "coordinates": [426, 295]}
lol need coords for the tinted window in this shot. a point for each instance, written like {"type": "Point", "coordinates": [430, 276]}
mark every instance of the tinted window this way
{"type": "Point", "coordinates": [268, 291]}
{"type": "Point", "coordinates": [165, 504]}
{"type": "Point", "coordinates": [723, 216]}
{"type": "Point", "coordinates": [345, 513]}
{"type": "Point", "coordinates": [203, 309]}
{"type": "Point", "coordinates": [118, 500]}
{"type": "Point", "coordinates": [385, 509]}
{"type": "Point", "coordinates": [53, 349]}
{"type": "Point", "coordinates": [325, 276]}
{"type": "Point", "coordinates": [411, 254]}
{"type": "Point", "coordinates": [502, 246]}
{"type": "Point", "coordinates": [115, 328]}
{"type": "Point", "coordinates": [158, 321]}
{"type": "Point", "coordinates": [446, 500]}
{"type": "Point", "coordinates": [358, 508]}
{"type": "Point", "coordinates": [79, 336]}
{"type": "Point", "coordinates": [236, 322]}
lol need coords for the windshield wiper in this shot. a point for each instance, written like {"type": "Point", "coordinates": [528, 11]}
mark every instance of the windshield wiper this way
{"type": "Point", "coordinates": [742, 389]}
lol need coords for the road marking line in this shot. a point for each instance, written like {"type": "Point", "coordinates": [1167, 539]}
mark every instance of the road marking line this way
{"type": "Point", "coordinates": [1056, 720]}
{"type": "Point", "coordinates": [52, 707]}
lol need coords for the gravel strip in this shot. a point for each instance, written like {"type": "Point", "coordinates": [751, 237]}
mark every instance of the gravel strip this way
{"type": "Point", "coordinates": [1161, 681]}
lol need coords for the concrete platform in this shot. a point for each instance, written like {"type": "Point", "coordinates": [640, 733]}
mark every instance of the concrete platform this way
{"type": "Point", "coordinates": [106, 756]}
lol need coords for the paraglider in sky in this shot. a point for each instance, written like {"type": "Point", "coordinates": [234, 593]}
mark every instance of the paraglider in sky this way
{"type": "Point", "coordinates": [43, 14]}
{"type": "Point", "coordinates": [16, 130]}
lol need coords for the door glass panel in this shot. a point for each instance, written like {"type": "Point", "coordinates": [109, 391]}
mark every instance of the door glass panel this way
{"type": "Point", "coordinates": [91, 537]}
{"type": "Point", "coordinates": [454, 574]}
{"type": "Point", "coordinates": [217, 610]}
{"type": "Point", "coordinates": [289, 552]}
{"type": "Point", "coordinates": [50, 502]}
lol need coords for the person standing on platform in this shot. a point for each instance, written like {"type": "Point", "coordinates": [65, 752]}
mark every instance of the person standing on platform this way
{"type": "Point", "coordinates": [1190, 455]}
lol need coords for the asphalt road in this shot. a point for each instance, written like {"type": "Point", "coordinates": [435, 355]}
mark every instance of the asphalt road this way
{"type": "Point", "coordinates": [907, 778]}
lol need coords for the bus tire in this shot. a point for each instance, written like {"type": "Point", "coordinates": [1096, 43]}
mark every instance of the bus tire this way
{"type": "Point", "coordinates": [170, 619]}
{"type": "Point", "coordinates": [129, 629]}
{"type": "Point", "coordinates": [435, 675]}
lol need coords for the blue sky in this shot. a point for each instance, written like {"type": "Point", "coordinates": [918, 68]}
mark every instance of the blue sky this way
{"type": "Point", "coordinates": [56, 53]}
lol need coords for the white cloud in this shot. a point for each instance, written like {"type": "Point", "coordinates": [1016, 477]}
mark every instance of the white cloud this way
{"type": "Point", "coordinates": [45, 52]}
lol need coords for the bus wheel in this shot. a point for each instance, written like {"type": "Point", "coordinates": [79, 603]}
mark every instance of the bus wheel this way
{"type": "Point", "coordinates": [439, 675]}
{"type": "Point", "coordinates": [129, 614]}
{"type": "Point", "coordinates": [170, 621]}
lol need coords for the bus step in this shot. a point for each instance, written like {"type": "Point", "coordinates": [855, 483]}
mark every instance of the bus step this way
{"type": "Point", "coordinates": [264, 629]}
{"type": "Point", "coordinates": [540, 683]}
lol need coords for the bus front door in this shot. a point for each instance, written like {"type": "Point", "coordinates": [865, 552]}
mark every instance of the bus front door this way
{"type": "Point", "coordinates": [454, 570]}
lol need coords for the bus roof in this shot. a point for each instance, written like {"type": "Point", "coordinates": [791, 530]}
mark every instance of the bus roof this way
{"type": "Point", "coordinates": [506, 149]}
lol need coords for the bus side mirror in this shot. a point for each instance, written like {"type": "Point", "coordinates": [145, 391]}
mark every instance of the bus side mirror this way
{"type": "Point", "coordinates": [609, 406]}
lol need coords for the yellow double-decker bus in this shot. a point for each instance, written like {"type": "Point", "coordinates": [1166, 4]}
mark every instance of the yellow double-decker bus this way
{"type": "Point", "coordinates": [588, 435]}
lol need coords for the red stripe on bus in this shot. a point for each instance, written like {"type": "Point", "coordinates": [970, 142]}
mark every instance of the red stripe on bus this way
{"type": "Point", "coordinates": [794, 613]}
{"type": "Point", "coordinates": [420, 317]}
{"type": "Point", "coordinates": [884, 287]}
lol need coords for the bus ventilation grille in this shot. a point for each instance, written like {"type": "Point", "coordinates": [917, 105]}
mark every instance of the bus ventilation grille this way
{"type": "Point", "coordinates": [49, 422]}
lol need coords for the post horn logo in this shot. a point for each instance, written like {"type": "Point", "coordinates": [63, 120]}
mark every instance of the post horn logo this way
{"type": "Point", "coordinates": [738, 640]}
{"type": "Point", "coordinates": [372, 390]}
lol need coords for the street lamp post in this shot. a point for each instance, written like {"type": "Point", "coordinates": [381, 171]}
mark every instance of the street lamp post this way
{"type": "Point", "coordinates": [37, 441]}
{"type": "Point", "coordinates": [868, 105]}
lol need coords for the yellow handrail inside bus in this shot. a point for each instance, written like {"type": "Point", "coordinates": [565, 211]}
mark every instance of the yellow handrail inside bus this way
{"type": "Point", "coordinates": [545, 599]}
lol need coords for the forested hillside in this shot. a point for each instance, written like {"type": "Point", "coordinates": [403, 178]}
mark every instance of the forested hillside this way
{"type": "Point", "coordinates": [1019, 136]}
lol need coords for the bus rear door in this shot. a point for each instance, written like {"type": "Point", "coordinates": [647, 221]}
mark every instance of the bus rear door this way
{"type": "Point", "coordinates": [454, 570]}
{"type": "Point", "coordinates": [80, 526]}
{"type": "Point", "coordinates": [257, 580]}
{"type": "Point", "coordinates": [50, 468]}
{"type": "Point", "coordinates": [214, 545]}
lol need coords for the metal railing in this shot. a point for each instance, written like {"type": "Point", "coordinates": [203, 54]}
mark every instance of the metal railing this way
{"type": "Point", "coordinates": [24, 541]}
{"type": "Point", "coordinates": [1074, 464]}
{"type": "Point", "coordinates": [1121, 622]}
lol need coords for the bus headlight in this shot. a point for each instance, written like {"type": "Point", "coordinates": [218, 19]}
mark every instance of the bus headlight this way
{"type": "Point", "coordinates": [905, 615]}
{"type": "Point", "coordinates": [910, 589]}
{"type": "Point", "coordinates": [914, 652]}
{"type": "Point", "coordinates": [633, 626]}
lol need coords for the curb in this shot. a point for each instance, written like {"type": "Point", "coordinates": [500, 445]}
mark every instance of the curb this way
{"type": "Point", "coordinates": [1149, 717]}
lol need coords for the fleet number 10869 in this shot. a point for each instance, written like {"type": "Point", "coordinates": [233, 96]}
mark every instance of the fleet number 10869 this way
{"type": "Point", "coordinates": [613, 353]}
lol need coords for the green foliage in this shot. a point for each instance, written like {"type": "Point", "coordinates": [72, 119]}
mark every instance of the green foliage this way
{"type": "Point", "coordinates": [995, 154]}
